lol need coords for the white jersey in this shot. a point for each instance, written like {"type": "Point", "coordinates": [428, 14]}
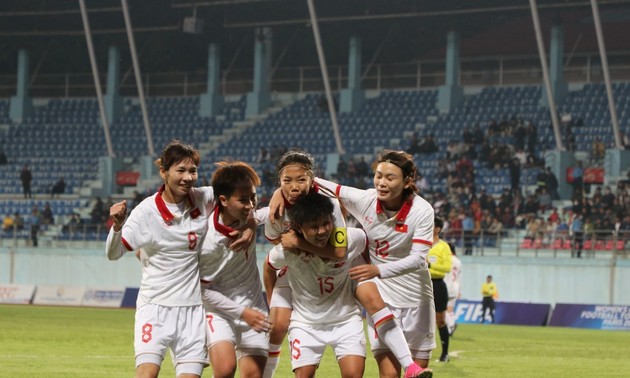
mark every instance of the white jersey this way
{"type": "Point", "coordinates": [170, 237]}
{"type": "Point", "coordinates": [454, 278]}
{"type": "Point", "coordinates": [322, 289]}
{"type": "Point", "coordinates": [233, 274]}
{"type": "Point", "coordinates": [391, 239]}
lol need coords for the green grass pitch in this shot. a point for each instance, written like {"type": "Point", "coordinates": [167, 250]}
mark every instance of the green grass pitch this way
{"type": "Point", "coordinates": [60, 342]}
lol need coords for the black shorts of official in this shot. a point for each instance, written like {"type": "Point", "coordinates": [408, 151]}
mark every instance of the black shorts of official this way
{"type": "Point", "coordinates": [488, 302]}
{"type": "Point", "coordinates": [440, 294]}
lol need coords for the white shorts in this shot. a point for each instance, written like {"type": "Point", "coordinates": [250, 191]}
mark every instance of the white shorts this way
{"type": "Point", "coordinates": [181, 329]}
{"type": "Point", "coordinates": [307, 342]}
{"type": "Point", "coordinates": [247, 341]}
{"type": "Point", "coordinates": [418, 325]}
{"type": "Point", "coordinates": [281, 296]}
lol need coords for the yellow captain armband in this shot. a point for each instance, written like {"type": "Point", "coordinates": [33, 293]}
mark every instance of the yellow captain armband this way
{"type": "Point", "coordinates": [339, 237]}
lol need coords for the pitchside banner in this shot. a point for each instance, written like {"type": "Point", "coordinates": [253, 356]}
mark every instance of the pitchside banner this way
{"type": "Point", "coordinates": [103, 296]}
{"type": "Point", "coordinates": [16, 294]}
{"type": "Point", "coordinates": [516, 313]}
{"type": "Point", "coordinates": [58, 295]}
{"type": "Point", "coordinates": [591, 316]}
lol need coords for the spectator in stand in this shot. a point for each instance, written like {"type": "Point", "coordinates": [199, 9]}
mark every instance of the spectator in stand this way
{"type": "Point", "coordinates": [493, 232]}
{"type": "Point", "coordinates": [531, 205]}
{"type": "Point", "coordinates": [428, 145]}
{"type": "Point", "coordinates": [363, 169]}
{"type": "Point", "coordinates": [98, 212]}
{"type": "Point", "coordinates": [544, 199]}
{"type": "Point", "coordinates": [515, 175]}
{"type": "Point", "coordinates": [598, 150]}
{"type": "Point", "coordinates": [18, 221]}
{"type": "Point", "coordinates": [74, 224]}
{"type": "Point", "coordinates": [608, 198]}
{"type": "Point", "coordinates": [554, 216]}
{"type": "Point", "coordinates": [8, 223]}
{"type": "Point", "coordinates": [578, 184]}
{"type": "Point", "coordinates": [468, 226]}
{"type": "Point", "coordinates": [47, 216]}
{"type": "Point", "coordinates": [3, 158]}
{"type": "Point", "coordinates": [26, 177]}
{"type": "Point", "coordinates": [35, 221]}
{"type": "Point", "coordinates": [552, 184]}
{"type": "Point", "coordinates": [59, 188]}
{"type": "Point", "coordinates": [413, 144]}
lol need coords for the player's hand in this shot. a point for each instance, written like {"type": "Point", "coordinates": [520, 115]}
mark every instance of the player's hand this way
{"type": "Point", "coordinates": [118, 212]}
{"type": "Point", "coordinates": [276, 206]}
{"type": "Point", "coordinates": [256, 319]}
{"type": "Point", "coordinates": [244, 238]}
{"type": "Point", "coordinates": [364, 272]}
{"type": "Point", "coordinates": [289, 240]}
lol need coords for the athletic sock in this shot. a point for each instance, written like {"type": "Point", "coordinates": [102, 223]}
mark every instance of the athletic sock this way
{"type": "Point", "coordinates": [450, 321]}
{"type": "Point", "coordinates": [273, 357]}
{"type": "Point", "coordinates": [392, 335]}
{"type": "Point", "coordinates": [444, 339]}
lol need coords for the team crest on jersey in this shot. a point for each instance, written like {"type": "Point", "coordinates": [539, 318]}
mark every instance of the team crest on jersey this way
{"type": "Point", "coordinates": [369, 220]}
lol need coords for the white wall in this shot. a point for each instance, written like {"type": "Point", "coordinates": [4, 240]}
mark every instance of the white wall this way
{"type": "Point", "coordinates": [519, 279]}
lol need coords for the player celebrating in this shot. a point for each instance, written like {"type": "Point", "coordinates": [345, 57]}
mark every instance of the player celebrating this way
{"type": "Point", "coordinates": [296, 177]}
{"type": "Point", "coordinates": [324, 309]}
{"type": "Point", "coordinates": [168, 226]}
{"type": "Point", "coordinates": [295, 172]}
{"type": "Point", "coordinates": [453, 283]}
{"type": "Point", "coordinates": [399, 225]}
{"type": "Point", "coordinates": [439, 261]}
{"type": "Point", "coordinates": [236, 312]}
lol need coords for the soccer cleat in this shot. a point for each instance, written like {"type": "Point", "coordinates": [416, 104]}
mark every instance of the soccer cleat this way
{"type": "Point", "coordinates": [416, 371]}
{"type": "Point", "coordinates": [443, 358]}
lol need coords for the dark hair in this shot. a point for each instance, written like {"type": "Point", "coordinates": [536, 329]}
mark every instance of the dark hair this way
{"type": "Point", "coordinates": [232, 175]}
{"type": "Point", "coordinates": [295, 157]}
{"type": "Point", "coordinates": [438, 222]}
{"type": "Point", "coordinates": [310, 207]}
{"type": "Point", "coordinates": [405, 162]}
{"type": "Point", "coordinates": [175, 152]}
{"type": "Point", "coordinates": [452, 247]}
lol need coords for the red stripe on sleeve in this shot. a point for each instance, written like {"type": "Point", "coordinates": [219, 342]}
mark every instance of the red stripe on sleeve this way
{"type": "Point", "coordinates": [337, 190]}
{"type": "Point", "coordinates": [425, 242]}
{"type": "Point", "coordinates": [127, 246]}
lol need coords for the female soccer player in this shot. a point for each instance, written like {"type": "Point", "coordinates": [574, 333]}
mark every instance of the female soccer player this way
{"type": "Point", "coordinates": [168, 226]}
{"type": "Point", "coordinates": [324, 309]}
{"type": "Point", "coordinates": [399, 225]}
{"type": "Point", "coordinates": [295, 173]}
{"type": "Point", "coordinates": [296, 179]}
{"type": "Point", "coordinates": [236, 311]}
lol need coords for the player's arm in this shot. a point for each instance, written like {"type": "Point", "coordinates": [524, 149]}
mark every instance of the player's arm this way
{"type": "Point", "coordinates": [291, 240]}
{"type": "Point", "coordinates": [276, 206]}
{"type": "Point", "coordinates": [216, 300]}
{"type": "Point", "coordinates": [269, 278]}
{"type": "Point", "coordinates": [114, 246]}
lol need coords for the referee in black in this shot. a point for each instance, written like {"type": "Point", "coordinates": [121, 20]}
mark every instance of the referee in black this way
{"type": "Point", "coordinates": [439, 260]}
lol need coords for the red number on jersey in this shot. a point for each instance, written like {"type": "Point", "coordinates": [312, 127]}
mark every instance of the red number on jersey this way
{"type": "Point", "coordinates": [295, 349]}
{"type": "Point", "coordinates": [326, 285]}
{"type": "Point", "coordinates": [192, 240]}
{"type": "Point", "coordinates": [146, 332]}
{"type": "Point", "coordinates": [382, 246]}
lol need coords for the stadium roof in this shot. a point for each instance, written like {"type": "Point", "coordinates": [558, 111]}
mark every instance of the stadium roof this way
{"type": "Point", "coordinates": [391, 30]}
